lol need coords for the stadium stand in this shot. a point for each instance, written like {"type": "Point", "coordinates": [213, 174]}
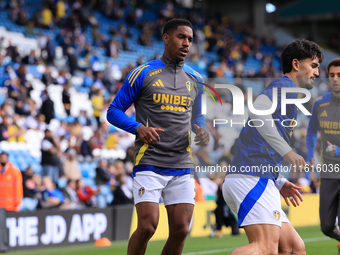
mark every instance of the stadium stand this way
{"type": "Point", "coordinates": [91, 46]}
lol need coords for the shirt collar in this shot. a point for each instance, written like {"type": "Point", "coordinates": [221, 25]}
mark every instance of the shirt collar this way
{"type": "Point", "coordinates": [335, 99]}
{"type": "Point", "coordinates": [172, 63]}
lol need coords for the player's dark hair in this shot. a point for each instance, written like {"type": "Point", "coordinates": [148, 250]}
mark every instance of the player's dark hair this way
{"type": "Point", "coordinates": [299, 49]}
{"type": "Point", "coordinates": [172, 25]}
{"type": "Point", "coordinates": [334, 62]}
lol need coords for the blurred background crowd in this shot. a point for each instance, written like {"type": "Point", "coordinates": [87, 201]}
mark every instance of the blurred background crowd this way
{"type": "Point", "coordinates": [63, 61]}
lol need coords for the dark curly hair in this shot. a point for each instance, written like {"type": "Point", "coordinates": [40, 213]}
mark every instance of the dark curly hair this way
{"type": "Point", "coordinates": [300, 49]}
{"type": "Point", "coordinates": [172, 25]}
{"type": "Point", "coordinates": [334, 62]}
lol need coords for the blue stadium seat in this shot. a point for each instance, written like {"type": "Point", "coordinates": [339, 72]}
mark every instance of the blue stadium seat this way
{"type": "Point", "coordinates": [269, 49]}
{"type": "Point", "coordinates": [22, 163]}
{"type": "Point", "coordinates": [104, 190]}
{"type": "Point", "coordinates": [69, 119]}
{"type": "Point", "coordinates": [89, 182]}
{"type": "Point", "coordinates": [37, 168]}
{"type": "Point", "coordinates": [85, 174]}
{"type": "Point", "coordinates": [101, 201]}
{"type": "Point", "coordinates": [35, 160]}
{"type": "Point", "coordinates": [11, 157]}
{"type": "Point", "coordinates": [93, 165]}
{"type": "Point", "coordinates": [2, 99]}
{"type": "Point", "coordinates": [29, 159]}
{"type": "Point", "coordinates": [256, 85]}
{"type": "Point", "coordinates": [85, 169]}
{"type": "Point", "coordinates": [92, 173]}
{"type": "Point", "coordinates": [109, 198]}
{"type": "Point", "coordinates": [62, 183]}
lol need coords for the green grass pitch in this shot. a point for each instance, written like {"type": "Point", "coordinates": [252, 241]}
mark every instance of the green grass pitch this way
{"type": "Point", "coordinates": [316, 244]}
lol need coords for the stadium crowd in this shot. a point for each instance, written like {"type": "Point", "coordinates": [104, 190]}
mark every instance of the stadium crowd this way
{"type": "Point", "coordinates": [82, 160]}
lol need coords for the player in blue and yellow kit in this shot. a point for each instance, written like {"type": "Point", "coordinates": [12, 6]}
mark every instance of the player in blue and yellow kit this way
{"type": "Point", "coordinates": [167, 99]}
{"type": "Point", "coordinates": [326, 119]}
{"type": "Point", "coordinates": [253, 191]}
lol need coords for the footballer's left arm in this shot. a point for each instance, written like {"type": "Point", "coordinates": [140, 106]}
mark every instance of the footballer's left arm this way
{"type": "Point", "coordinates": [333, 150]}
{"type": "Point", "coordinates": [198, 122]}
{"type": "Point", "coordinates": [269, 131]}
{"type": "Point", "coordinates": [280, 181]}
{"type": "Point", "coordinates": [289, 191]}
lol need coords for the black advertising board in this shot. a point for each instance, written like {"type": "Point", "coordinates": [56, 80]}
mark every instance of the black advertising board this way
{"type": "Point", "coordinates": [51, 228]}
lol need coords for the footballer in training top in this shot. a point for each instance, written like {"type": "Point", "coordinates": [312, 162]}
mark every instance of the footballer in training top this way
{"type": "Point", "coordinates": [252, 150]}
{"type": "Point", "coordinates": [166, 95]}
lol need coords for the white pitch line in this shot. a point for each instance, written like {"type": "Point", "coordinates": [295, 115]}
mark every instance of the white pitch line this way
{"type": "Point", "coordinates": [307, 240]}
{"type": "Point", "coordinates": [316, 239]}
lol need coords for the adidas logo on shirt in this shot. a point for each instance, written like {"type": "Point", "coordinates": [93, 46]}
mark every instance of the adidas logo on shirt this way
{"type": "Point", "coordinates": [158, 83]}
{"type": "Point", "coordinates": [323, 114]}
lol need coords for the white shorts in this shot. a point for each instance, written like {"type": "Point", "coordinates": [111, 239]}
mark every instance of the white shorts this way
{"type": "Point", "coordinates": [253, 200]}
{"type": "Point", "coordinates": [149, 187]}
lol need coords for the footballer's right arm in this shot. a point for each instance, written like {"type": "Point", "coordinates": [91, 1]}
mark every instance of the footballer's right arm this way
{"type": "Point", "coordinates": [126, 95]}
